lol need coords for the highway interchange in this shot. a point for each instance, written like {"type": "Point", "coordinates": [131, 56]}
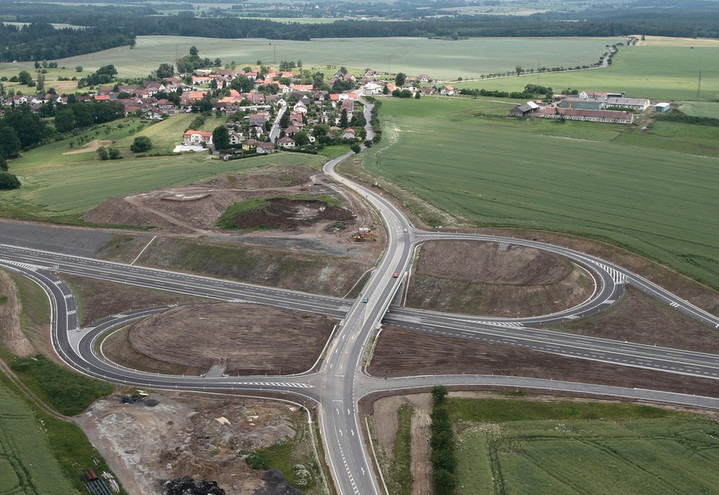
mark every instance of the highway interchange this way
{"type": "Point", "coordinates": [339, 383]}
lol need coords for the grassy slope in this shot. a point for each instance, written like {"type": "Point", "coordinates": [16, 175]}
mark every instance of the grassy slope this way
{"type": "Point", "coordinates": [56, 184]}
{"type": "Point", "coordinates": [577, 177]}
{"type": "Point", "coordinates": [570, 447]}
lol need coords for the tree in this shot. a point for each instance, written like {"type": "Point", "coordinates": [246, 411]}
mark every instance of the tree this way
{"type": "Point", "coordinates": [400, 78]}
{"type": "Point", "coordinates": [285, 120]}
{"type": "Point", "coordinates": [24, 78]}
{"type": "Point", "coordinates": [8, 181]}
{"type": "Point", "coordinates": [243, 84]}
{"type": "Point", "coordinates": [301, 138]}
{"type": "Point", "coordinates": [114, 153]}
{"type": "Point", "coordinates": [78, 68]}
{"type": "Point", "coordinates": [343, 119]}
{"type": "Point", "coordinates": [221, 137]}
{"type": "Point", "coordinates": [518, 69]}
{"type": "Point", "coordinates": [141, 144]}
{"type": "Point", "coordinates": [9, 143]}
{"type": "Point", "coordinates": [102, 153]}
{"type": "Point", "coordinates": [3, 164]}
{"type": "Point", "coordinates": [165, 70]}
{"type": "Point", "coordinates": [356, 148]}
{"type": "Point", "coordinates": [194, 51]}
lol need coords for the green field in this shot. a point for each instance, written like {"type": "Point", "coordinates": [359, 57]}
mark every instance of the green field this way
{"type": "Point", "coordinates": [652, 192]}
{"type": "Point", "coordinates": [440, 59]}
{"type": "Point", "coordinates": [59, 185]}
{"type": "Point", "coordinates": [654, 72]}
{"type": "Point", "coordinates": [27, 466]}
{"type": "Point", "coordinates": [571, 448]}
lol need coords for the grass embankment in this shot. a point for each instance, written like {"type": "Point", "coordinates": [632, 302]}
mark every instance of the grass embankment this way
{"type": "Point", "coordinates": [294, 457]}
{"type": "Point", "coordinates": [603, 181]}
{"type": "Point", "coordinates": [539, 447]}
{"type": "Point", "coordinates": [255, 264]}
{"type": "Point", "coordinates": [400, 476]}
{"type": "Point", "coordinates": [67, 392]}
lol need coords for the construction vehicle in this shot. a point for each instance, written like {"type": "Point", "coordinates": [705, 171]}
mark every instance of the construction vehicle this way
{"type": "Point", "coordinates": [364, 234]}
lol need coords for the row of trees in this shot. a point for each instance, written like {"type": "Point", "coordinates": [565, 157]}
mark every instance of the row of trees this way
{"type": "Point", "coordinates": [531, 91]}
{"type": "Point", "coordinates": [41, 41]}
{"type": "Point", "coordinates": [84, 114]}
{"type": "Point", "coordinates": [444, 462]}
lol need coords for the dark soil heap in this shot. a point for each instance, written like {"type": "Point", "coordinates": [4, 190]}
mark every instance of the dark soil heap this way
{"type": "Point", "coordinates": [190, 486]}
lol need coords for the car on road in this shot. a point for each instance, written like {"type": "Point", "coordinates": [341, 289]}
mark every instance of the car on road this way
{"type": "Point", "coordinates": [395, 275]}
{"type": "Point", "coordinates": [365, 300]}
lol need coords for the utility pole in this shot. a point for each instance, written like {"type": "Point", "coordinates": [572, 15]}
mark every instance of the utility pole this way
{"type": "Point", "coordinates": [699, 83]}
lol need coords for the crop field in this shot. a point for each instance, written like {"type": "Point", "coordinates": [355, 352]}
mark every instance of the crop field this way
{"type": "Point", "coordinates": [467, 158]}
{"type": "Point", "coordinates": [27, 466]}
{"type": "Point", "coordinates": [594, 452]}
{"type": "Point", "coordinates": [655, 71]}
{"type": "Point", "coordinates": [438, 58]}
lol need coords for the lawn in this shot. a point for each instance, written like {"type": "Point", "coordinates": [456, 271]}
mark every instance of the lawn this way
{"type": "Point", "coordinates": [651, 192]}
{"type": "Point", "coordinates": [573, 447]}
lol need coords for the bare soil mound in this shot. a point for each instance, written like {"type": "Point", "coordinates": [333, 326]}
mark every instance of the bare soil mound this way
{"type": "Point", "coordinates": [488, 262]}
{"type": "Point", "coordinates": [185, 434]}
{"type": "Point", "coordinates": [495, 280]}
{"type": "Point", "coordinates": [197, 207]}
{"type": "Point", "coordinates": [233, 337]}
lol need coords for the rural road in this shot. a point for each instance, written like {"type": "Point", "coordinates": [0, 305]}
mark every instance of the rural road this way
{"type": "Point", "coordinates": [341, 382]}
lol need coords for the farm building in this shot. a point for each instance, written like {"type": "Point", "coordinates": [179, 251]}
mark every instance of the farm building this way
{"type": "Point", "coordinates": [639, 104]}
{"type": "Point", "coordinates": [605, 116]}
{"type": "Point", "coordinates": [524, 109]}
{"type": "Point", "coordinates": [583, 103]}
{"type": "Point", "coordinates": [662, 107]}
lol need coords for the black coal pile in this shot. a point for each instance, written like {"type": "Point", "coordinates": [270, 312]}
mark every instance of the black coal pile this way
{"type": "Point", "coordinates": [276, 484]}
{"type": "Point", "coordinates": [190, 486]}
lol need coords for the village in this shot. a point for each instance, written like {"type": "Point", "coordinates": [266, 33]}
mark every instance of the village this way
{"type": "Point", "coordinates": [286, 108]}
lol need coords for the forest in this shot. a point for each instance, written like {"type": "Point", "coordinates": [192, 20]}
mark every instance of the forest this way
{"type": "Point", "coordinates": [107, 26]}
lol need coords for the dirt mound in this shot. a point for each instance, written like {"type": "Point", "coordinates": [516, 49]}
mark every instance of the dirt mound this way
{"type": "Point", "coordinates": [290, 214]}
{"type": "Point", "coordinates": [232, 338]}
{"type": "Point", "coordinates": [493, 279]}
{"type": "Point", "coordinates": [488, 262]}
{"type": "Point", "coordinates": [120, 211]}
{"type": "Point", "coordinates": [265, 178]}
{"type": "Point", "coordinates": [197, 207]}
{"type": "Point", "coordinates": [187, 435]}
